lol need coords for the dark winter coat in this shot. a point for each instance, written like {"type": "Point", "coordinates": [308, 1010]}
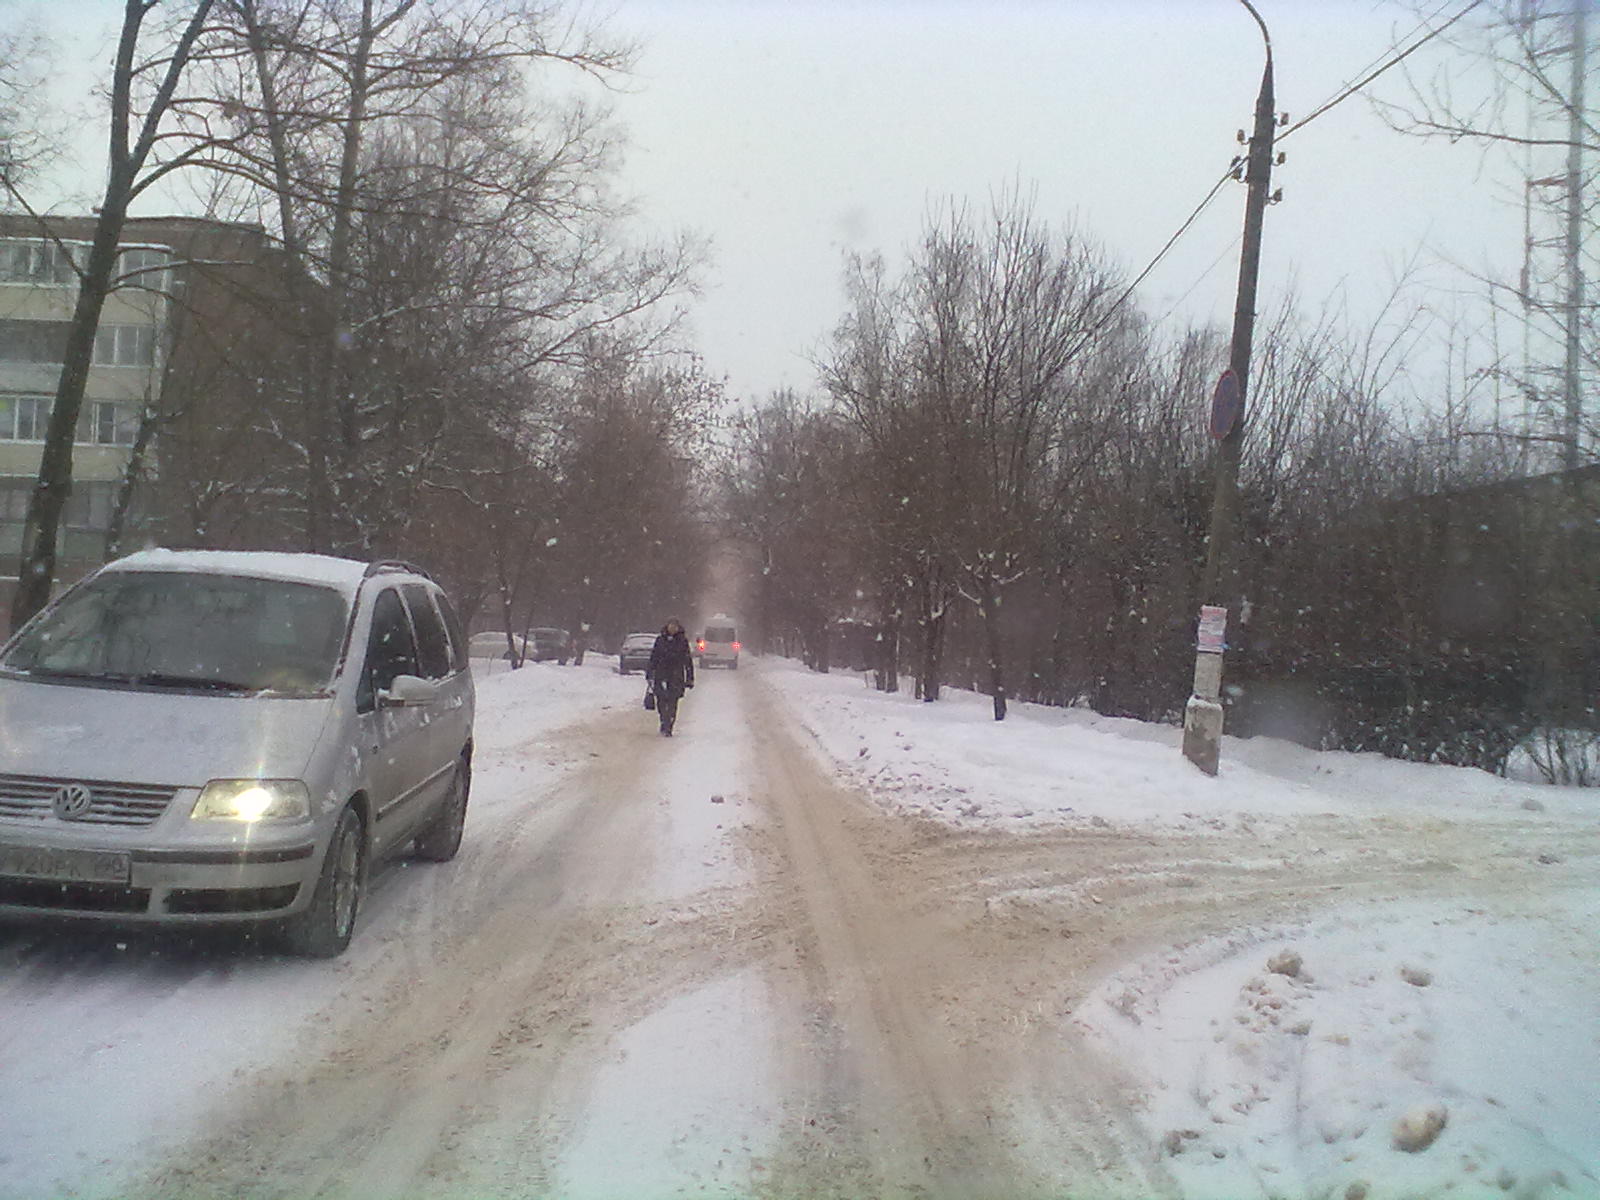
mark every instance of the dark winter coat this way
{"type": "Point", "coordinates": [671, 668]}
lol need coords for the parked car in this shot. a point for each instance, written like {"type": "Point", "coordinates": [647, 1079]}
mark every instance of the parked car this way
{"type": "Point", "coordinates": [491, 644]}
{"type": "Point", "coordinates": [545, 644]}
{"type": "Point", "coordinates": [635, 652]}
{"type": "Point", "coordinates": [719, 644]}
{"type": "Point", "coordinates": [204, 736]}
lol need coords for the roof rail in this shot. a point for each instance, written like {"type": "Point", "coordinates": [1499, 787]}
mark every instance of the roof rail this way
{"type": "Point", "coordinates": [378, 566]}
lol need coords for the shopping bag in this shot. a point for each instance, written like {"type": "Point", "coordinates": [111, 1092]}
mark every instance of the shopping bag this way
{"type": "Point", "coordinates": [650, 700]}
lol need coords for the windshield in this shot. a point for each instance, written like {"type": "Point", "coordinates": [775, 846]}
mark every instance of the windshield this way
{"type": "Point", "coordinates": [188, 631]}
{"type": "Point", "coordinates": [720, 633]}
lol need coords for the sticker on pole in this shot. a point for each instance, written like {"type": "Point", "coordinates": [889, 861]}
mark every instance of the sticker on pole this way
{"type": "Point", "coordinates": [1213, 634]}
{"type": "Point", "coordinates": [1227, 402]}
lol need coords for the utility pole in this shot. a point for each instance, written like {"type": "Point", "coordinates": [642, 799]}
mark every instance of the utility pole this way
{"type": "Point", "coordinates": [1202, 722]}
{"type": "Point", "coordinates": [1572, 374]}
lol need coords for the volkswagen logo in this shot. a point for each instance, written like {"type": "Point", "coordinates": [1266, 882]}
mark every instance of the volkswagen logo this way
{"type": "Point", "coordinates": [71, 801]}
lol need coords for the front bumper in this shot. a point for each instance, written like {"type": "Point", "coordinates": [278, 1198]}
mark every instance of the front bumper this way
{"type": "Point", "coordinates": [180, 885]}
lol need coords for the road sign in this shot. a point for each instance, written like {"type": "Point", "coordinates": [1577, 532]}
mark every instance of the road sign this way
{"type": "Point", "coordinates": [1227, 402]}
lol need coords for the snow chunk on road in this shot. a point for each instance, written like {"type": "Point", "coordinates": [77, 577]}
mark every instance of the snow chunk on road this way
{"type": "Point", "coordinates": [1350, 1079]}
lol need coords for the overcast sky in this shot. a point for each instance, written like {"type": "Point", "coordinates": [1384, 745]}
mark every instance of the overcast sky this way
{"type": "Point", "coordinates": [792, 131]}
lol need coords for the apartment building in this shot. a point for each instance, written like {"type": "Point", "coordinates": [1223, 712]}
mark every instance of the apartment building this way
{"type": "Point", "coordinates": [171, 269]}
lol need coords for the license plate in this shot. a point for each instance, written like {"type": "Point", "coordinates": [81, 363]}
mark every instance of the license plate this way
{"type": "Point", "coordinates": [71, 866]}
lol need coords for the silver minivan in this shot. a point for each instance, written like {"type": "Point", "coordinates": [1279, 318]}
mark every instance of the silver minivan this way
{"type": "Point", "coordinates": [214, 736]}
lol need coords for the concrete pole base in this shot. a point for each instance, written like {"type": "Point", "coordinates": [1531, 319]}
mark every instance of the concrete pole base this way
{"type": "Point", "coordinates": [1202, 734]}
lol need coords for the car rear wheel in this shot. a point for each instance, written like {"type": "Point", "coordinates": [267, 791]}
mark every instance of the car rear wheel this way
{"type": "Point", "coordinates": [441, 837]}
{"type": "Point", "coordinates": [323, 928]}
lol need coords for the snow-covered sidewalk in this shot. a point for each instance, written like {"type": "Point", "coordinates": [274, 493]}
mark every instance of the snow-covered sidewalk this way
{"type": "Point", "coordinates": [1408, 1048]}
{"type": "Point", "coordinates": [1045, 767]}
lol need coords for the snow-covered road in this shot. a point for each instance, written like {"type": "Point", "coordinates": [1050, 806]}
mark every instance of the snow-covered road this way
{"type": "Point", "coordinates": [830, 943]}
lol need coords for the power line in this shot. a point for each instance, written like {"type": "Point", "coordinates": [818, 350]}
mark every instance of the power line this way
{"type": "Point", "coordinates": [1182, 229]}
{"type": "Point", "coordinates": [1128, 291]}
{"type": "Point", "coordinates": [1394, 61]}
{"type": "Point", "coordinates": [1395, 57]}
{"type": "Point", "coordinates": [1199, 279]}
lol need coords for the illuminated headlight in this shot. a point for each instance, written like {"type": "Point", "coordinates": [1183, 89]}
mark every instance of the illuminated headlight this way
{"type": "Point", "coordinates": [253, 800]}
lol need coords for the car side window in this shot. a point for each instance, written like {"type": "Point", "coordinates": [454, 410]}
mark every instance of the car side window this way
{"type": "Point", "coordinates": [458, 636]}
{"type": "Point", "coordinates": [433, 643]}
{"type": "Point", "coordinates": [391, 652]}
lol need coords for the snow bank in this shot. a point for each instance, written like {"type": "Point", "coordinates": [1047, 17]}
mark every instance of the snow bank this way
{"type": "Point", "coordinates": [1040, 767]}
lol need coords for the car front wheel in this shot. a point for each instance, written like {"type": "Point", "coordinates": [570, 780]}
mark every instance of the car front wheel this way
{"type": "Point", "coordinates": [323, 928]}
{"type": "Point", "coordinates": [441, 837]}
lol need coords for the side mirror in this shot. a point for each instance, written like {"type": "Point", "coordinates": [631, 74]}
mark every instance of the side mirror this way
{"type": "Point", "coordinates": [407, 691]}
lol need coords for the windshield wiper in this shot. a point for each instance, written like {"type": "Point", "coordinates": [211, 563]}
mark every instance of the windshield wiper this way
{"type": "Point", "coordinates": [62, 673]}
{"type": "Point", "coordinates": [56, 672]}
{"type": "Point", "coordinates": [158, 679]}
{"type": "Point", "coordinates": [202, 682]}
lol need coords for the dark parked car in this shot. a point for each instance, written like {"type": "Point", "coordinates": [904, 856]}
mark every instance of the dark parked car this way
{"type": "Point", "coordinates": [635, 652]}
{"type": "Point", "coordinates": [545, 644]}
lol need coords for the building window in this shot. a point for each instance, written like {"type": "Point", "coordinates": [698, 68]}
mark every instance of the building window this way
{"type": "Point", "coordinates": [33, 341]}
{"type": "Point", "coordinates": [23, 418]}
{"type": "Point", "coordinates": [46, 342]}
{"type": "Point", "coordinates": [102, 423]}
{"type": "Point", "coordinates": [147, 266]}
{"type": "Point", "coordinates": [125, 346]}
{"type": "Point", "coordinates": [36, 262]}
{"type": "Point", "coordinates": [14, 493]}
{"type": "Point", "coordinates": [89, 506]}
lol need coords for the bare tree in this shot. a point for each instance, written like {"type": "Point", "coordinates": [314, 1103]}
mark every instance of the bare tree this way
{"type": "Point", "coordinates": [25, 140]}
{"type": "Point", "coordinates": [976, 380]}
{"type": "Point", "coordinates": [136, 131]}
{"type": "Point", "coordinates": [1513, 79]}
{"type": "Point", "coordinates": [436, 226]}
{"type": "Point", "coordinates": [629, 528]}
{"type": "Point", "coordinates": [787, 494]}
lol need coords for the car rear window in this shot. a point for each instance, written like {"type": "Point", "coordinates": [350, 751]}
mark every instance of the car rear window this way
{"type": "Point", "coordinates": [720, 633]}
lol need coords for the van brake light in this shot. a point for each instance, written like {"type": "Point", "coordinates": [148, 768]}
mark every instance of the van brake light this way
{"type": "Point", "coordinates": [736, 647]}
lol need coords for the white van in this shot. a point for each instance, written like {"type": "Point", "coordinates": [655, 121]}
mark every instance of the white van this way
{"type": "Point", "coordinates": [718, 646]}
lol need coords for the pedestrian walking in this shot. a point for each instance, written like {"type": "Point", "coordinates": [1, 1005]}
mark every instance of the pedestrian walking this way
{"type": "Point", "coordinates": [670, 673]}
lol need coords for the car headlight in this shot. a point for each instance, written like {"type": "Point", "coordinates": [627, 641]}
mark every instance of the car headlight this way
{"type": "Point", "coordinates": [253, 800]}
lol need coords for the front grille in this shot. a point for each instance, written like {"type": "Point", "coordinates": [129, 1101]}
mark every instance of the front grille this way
{"type": "Point", "coordinates": [231, 900]}
{"type": "Point", "coordinates": [28, 797]}
{"type": "Point", "coordinates": [74, 897]}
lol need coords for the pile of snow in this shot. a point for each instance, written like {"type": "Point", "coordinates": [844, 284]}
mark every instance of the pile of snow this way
{"type": "Point", "coordinates": [1042, 767]}
{"type": "Point", "coordinates": [1413, 1051]}
{"type": "Point", "coordinates": [544, 694]}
